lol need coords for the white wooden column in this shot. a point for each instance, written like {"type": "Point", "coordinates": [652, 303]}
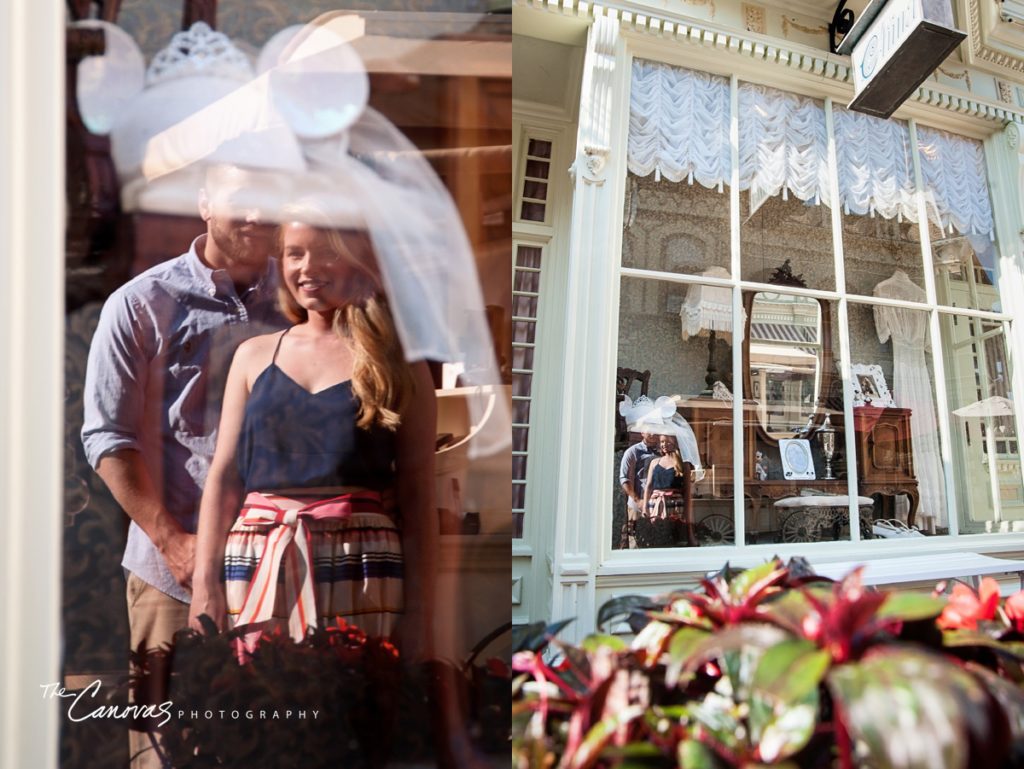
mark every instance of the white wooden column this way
{"type": "Point", "coordinates": [587, 389]}
{"type": "Point", "coordinates": [1004, 156]}
{"type": "Point", "coordinates": [32, 384]}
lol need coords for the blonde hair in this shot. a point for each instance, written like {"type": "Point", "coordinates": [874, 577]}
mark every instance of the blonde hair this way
{"type": "Point", "coordinates": [676, 456]}
{"type": "Point", "coordinates": [381, 378]}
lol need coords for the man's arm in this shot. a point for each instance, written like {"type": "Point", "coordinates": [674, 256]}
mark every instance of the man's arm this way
{"type": "Point", "coordinates": [627, 469]}
{"type": "Point", "coordinates": [114, 395]}
{"type": "Point", "coordinates": [129, 481]}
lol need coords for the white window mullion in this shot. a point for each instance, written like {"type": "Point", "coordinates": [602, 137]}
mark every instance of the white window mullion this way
{"type": "Point", "coordinates": [843, 316]}
{"type": "Point", "coordinates": [738, 415]}
{"type": "Point", "coordinates": [935, 335]}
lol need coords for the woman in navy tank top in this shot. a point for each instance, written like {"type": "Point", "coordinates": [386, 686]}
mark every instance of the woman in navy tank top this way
{"type": "Point", "coordinates": [326, 433]}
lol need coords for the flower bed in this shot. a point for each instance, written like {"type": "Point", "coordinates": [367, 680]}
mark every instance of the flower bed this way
{"type": "Point", "coordinates": [776, 667]}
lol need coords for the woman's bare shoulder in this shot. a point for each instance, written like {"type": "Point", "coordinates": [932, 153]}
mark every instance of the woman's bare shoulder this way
{"type": "Point", "coordinates": [257, 351]}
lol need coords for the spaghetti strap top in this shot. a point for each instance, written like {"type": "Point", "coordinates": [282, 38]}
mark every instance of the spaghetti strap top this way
{"type": "Point", "coordinates": [665, 478]}
{"type": "Point", "coordinates": [293, 438]}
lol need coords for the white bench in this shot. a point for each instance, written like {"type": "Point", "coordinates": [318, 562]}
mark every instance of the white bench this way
{"type": "Point", "coordinates": [923, 568]}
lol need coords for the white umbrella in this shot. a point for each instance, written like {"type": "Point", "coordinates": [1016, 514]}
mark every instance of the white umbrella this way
{"type": "Point", "coordinates": [995, 406]}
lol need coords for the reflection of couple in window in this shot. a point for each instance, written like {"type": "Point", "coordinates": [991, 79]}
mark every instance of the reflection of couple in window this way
{"type": "Point", "coordinates": [664, 489]}
{"type": "Point", "coordinates": [325, 446]}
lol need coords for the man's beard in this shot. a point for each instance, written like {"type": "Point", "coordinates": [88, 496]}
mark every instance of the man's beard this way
{"type": "Point", "coordinates": [232, 243]}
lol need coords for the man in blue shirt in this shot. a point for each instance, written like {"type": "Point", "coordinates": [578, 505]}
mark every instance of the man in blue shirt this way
{"type": "Point", "coordinates": [152, 394]}
{"type": "Point", "coordinates": [632, 477]}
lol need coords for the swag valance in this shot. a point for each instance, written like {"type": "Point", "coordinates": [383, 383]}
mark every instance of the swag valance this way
{"type": "Point", "coordinates": [679, 129]}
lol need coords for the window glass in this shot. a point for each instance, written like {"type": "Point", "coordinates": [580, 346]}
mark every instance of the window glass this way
{"type": "Point", "coordinates": [986, 453]}
{"type": "Point", "coordinates": [192, 230]}
{"type": "Point", "coordinates": [784, 181]}
{"type": "Point", "coordinates": [675, 227]}
{"type": "Point", "coordinates": [673, 456]}
{"type": "Point", "coordinates": [899, 461]}
{"type": "Point", "coordinates": [794, 479]}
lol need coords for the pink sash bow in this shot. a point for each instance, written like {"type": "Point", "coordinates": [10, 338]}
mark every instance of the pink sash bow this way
{"type": "Point", "coordinates": [288, 519]}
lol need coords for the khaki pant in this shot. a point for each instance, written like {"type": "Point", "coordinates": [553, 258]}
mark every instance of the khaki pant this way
{"type": "Point", "coordinates": [153, 619]}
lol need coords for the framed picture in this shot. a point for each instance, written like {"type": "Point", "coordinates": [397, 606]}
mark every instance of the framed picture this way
{"type": "Point", "coordinates": [797, 464]}
{"type": "Point", "coordinates": [869, 387]}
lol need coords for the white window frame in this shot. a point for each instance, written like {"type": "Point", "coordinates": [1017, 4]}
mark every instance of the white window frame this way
{"type": "Point", "coordinates": [614, 565]}
{"type": "Point", "coordinates": [32, 389]}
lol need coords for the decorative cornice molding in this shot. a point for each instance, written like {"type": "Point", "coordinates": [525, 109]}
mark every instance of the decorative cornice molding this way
{"type": "Point", "coordinates": [980, 50]}
{"type": "Point", "coordinates": [774, 52]}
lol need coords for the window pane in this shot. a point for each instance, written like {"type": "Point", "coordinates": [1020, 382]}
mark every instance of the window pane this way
{"type": "Point", "coordinates": [987, 475]}
{"type": "Point", "coordinates": [899, 462]}
{"type": "Point", "coordinates": [876, 249]}
{"type": "Point", "coordinates": [539, 148]}
{"type": "Point", "coordinates": [784, 179]}
{"type": "Point", "coordinates": [675, 226]}
{"type": "Point", "coordinates": [966, 272]}
{"type": "Point", "coordinates": [777, 231]}
{"type": "Point", "coordinates": [796, 489]}
{"type": "Point", "coordinates": [672, 505]}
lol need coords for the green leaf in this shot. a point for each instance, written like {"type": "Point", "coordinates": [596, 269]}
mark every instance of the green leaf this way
{"type": "Point", "coordinates": [911, 606]}
{"type": "Point", "coordinates": [696, 755]}
{"type": "Point", "coordinates": [790, 607]}
{"type": "Point", "coordinates": [751, 636]}
{"type": "Point", "coordinates": [960, 638]}
{"type": "Point", "coordinates": [596, 641]}
{"type": "Point", "coordinates": [723, 720]}
{"type": "Point", "coordinates": [651, 640]}
{"type": "Point", "coordinates": [680, 648]}
{"type": "Point", "coordinates": [599, 736]}
{"type": "Point", "coordinates": [635, 755]}
{"type": "Point", "coordinates": [912, 709]}
{"type": "Point", "coordinates": [1010, 698]}
{"type": "Point", "coordinates": [743, 583]}
{"type": "Point", "coordinates": [787, 731]}
{"type": "Point", "coordinates": [791, 670]}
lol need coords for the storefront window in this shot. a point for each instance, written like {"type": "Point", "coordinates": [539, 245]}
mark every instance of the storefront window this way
{"type": "Point", "coordinates": [810, 459]}
{"type": "Point", "coordinates": [243, 186]}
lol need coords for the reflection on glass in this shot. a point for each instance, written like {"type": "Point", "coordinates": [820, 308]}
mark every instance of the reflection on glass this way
{"type": "Point", "coordinates": [674, 226]}
{"type": "Point", "coordinates": [966, 272]}
{"type": "Point", "coordinates": [784, 179]}
{"type": "Point", "coordinates": [668, 368]}
{"type": "Point", "coordinates": [791, 229]}
{"type": "Point", "coordinates": [795, 466]}
{"type": "Point", "coordinates": [785, 370]}
{"type": "Point", "coordinates": [873, 247]}
{"type": "Point", "coordinates": [899, 462]}
{"type": "Point", "coordinates": [986, 457]}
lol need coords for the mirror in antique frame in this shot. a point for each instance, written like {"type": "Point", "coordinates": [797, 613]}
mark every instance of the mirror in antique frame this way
{"type": "Point", "coordinates": [787, 357]}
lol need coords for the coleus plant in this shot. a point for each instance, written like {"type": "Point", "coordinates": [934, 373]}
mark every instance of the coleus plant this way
{"type": "Point", "coordinates": [775, 667]}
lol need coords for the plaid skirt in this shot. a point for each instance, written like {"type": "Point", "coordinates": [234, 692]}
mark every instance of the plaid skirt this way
{"type": "Point", "coordinates": [354, 559]}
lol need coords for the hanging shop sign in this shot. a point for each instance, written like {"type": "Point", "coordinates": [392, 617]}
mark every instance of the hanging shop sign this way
{"type": "Point", "coordinates": [901, 46]}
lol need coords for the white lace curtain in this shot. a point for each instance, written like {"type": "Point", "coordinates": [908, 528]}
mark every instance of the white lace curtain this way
{"type": "Point", "coordinates": [679, 129]}
{"type": "Point", "coordinates": [666, 104]}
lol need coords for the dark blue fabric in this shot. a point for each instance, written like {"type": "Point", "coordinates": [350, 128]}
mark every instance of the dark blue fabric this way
{"type": "Point", "coordinates": [665, 478]}
{"type": "Point", "coordinates": [292, 438]}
